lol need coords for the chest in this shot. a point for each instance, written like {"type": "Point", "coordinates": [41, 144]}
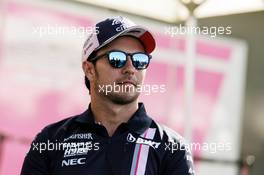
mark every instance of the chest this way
{"type": "Point", "coordinates": [87, 153]}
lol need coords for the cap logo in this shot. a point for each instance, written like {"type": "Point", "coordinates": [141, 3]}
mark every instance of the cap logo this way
{"type": "Point", "coordinates": [120, 22]}
{"type": "Point", "coordinates": [121, 28]}
{"type": "Point", "coordinates": [117, 20]}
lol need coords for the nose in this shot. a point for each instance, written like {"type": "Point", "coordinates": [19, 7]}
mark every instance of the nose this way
{"type": "Point", "coordinates": [129, 68]}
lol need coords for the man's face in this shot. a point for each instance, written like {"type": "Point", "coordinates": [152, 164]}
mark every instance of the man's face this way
{"type": "Point", "coordinates": [122, 82]}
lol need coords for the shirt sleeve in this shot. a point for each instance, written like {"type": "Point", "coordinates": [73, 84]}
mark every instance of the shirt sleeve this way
{"type": "Point", "coordinates": [178, 160]}
{"type": "Point", "coordinates": [36, 160]}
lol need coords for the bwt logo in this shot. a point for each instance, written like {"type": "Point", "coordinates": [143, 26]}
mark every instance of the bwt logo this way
{"type": "Point", "coordinates": [72, 162]}
{"type": "Point", "coordinates": [131, 138]}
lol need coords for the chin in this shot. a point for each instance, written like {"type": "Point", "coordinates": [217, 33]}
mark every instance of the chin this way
{"type": "Point", "coordinates": [123, 98]}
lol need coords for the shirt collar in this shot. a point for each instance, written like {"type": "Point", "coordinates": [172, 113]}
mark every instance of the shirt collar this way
{"type": "Point", "coordinates": [138, 123]}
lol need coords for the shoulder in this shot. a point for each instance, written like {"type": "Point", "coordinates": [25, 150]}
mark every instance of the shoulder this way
{"type": "Point", "coordinates": [166, 134]}
{"type": "Point", "coordinates": [175, 152]}
{"type": "Point", "coordinates": [171, 142]}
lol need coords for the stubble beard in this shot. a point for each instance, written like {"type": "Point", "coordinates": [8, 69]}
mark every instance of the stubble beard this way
{"type": "Point", "coordinates": [120, 98]}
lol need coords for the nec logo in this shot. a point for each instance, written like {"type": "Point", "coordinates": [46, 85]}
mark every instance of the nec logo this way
{"type": "Point", "coordinates": [72, 162]}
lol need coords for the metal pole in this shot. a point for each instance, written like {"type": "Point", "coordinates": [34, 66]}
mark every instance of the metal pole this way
{"type": "Point", "coordinates": [2, 24]}
{"type": "Point", "coordinates": [189, 70]}
{"type": "Point", "coordinates": [189, 77]}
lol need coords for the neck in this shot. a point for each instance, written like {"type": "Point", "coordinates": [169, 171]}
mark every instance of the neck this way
{"type": "Point", "coordinates": [111, 115]}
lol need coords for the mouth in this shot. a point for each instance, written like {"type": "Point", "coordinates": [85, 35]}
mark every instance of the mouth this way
{"type": "Point", "coordinates": [127, 82]}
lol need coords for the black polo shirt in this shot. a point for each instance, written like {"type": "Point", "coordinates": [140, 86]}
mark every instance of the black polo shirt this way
{"type": "Point", "coordinates": [79, 146]}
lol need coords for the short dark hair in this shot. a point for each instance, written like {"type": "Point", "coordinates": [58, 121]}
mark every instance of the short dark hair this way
{"type": "Point", "coordinates": [87, 82]}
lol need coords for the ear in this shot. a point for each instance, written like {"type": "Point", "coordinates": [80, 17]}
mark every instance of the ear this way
{"type": "Point", "coordinates": [89, 70]}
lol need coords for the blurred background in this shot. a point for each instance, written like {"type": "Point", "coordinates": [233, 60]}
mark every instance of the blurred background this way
{"type": "Point", "coordinates": [208, 56]}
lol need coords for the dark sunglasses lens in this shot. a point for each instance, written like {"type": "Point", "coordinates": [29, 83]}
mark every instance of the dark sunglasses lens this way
{"type": "Point", "coordinates": [117, 59]}
{"type": "Point", "coordinates": [140, 60]}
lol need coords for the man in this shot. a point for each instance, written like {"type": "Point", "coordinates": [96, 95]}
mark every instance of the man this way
{"type": "Point", "coordinates": [114, 136]}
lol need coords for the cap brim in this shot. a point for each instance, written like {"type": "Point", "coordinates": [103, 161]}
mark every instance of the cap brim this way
{"type": "Point", "coordinates": [145, 37]}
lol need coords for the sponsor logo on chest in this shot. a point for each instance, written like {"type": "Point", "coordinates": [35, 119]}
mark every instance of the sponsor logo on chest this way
{"type": "Point", "coordinates": [139, 140]}
{"type": "Point", "coordinates": [72, 162]}
{"type": "Point", "coordinates": [80, 136]}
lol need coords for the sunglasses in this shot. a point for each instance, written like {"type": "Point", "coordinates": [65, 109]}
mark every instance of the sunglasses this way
{"type": "Point", "coordinates": [118, 59]}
